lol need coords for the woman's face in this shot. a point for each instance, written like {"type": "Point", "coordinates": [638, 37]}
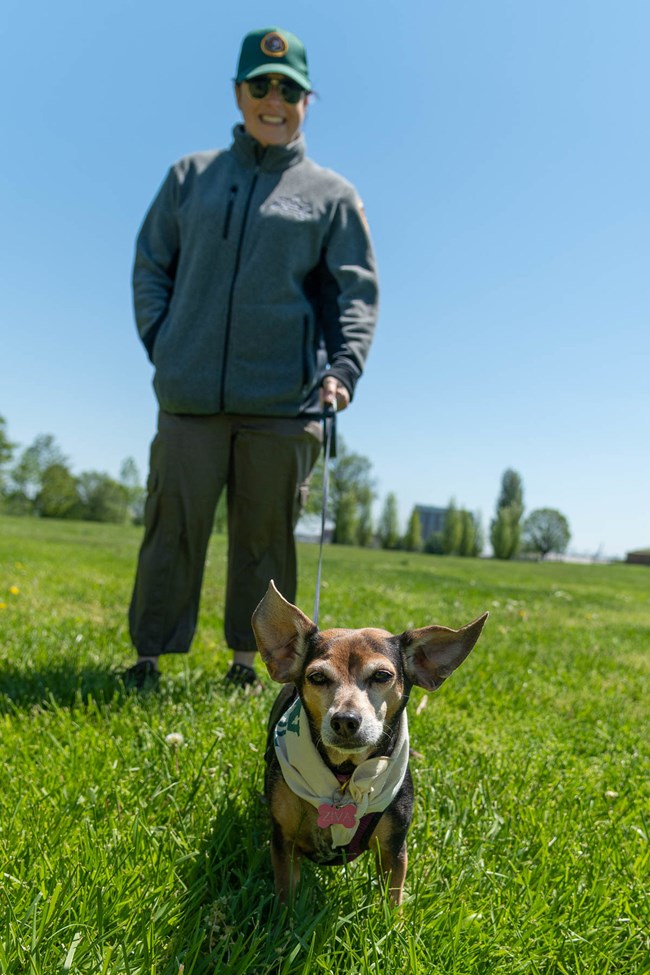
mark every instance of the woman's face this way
{"type": "Point", "coordinates": [271, 120]}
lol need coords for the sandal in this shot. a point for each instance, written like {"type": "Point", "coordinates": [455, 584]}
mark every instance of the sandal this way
{"type": "Point", "coordinates": [241, 675]}
{"type": "Point", "coordinates": [142, 676]}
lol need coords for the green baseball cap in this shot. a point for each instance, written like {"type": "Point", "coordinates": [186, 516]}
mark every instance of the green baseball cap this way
{"type": "Point", "coordinates": [273, 50]}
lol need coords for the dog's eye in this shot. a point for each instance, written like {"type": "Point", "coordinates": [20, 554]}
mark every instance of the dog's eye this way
{"type": "Point", "coordinates": [381, 677]}
{"type": "Point", "coordinates": [318, 679]}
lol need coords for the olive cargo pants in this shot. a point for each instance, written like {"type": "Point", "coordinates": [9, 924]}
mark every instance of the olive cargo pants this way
{"type": "Point", "coordinates": [264, 463]}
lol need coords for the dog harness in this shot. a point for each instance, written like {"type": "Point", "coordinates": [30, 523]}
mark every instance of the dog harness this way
{"type": "Point", "coordinates": [350, 805]}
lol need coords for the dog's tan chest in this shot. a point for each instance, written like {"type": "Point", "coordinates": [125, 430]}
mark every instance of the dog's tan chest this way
{"type": "Point", "coordinates": [298, 821]}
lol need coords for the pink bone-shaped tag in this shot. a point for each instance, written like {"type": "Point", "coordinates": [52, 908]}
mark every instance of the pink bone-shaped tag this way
{"type": "Point", "coordinates": [329, 815]}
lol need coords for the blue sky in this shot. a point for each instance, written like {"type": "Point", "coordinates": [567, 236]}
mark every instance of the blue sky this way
{"type": "Point", "coordinates": [501, 150]}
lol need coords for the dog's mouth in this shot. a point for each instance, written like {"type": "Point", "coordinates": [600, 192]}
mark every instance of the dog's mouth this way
{"type": "Point", "coordinates": [344, 745]}
{"type": "Point", "coordinates": [351, 744]}
{"type": "Point", "coordinates": [343, 759]}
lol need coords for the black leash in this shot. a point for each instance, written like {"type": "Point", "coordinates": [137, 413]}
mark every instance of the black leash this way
{"type": "Point", "coordinates": [329, 450]}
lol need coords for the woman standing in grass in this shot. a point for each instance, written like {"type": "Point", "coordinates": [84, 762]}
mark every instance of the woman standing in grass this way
{"type": "Point", "coordinates": [255, 297]}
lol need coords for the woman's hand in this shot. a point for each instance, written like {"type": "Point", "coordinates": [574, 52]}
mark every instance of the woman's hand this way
{"type": "Point", "coordinates": [333, 393]}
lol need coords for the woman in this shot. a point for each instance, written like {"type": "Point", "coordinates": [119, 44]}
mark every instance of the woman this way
{"type": "Point", "coordinates": [255, 296]}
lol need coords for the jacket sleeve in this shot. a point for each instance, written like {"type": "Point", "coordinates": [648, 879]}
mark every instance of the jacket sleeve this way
{"type": "Point", "coordinates": [350, 301]}
{"type": "Point", "coordinates": [156, 259]}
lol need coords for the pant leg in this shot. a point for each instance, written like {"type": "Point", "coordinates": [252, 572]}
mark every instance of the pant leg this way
{"type": "Point", "coordinates": [271, 464]}
{"type": "Point", "coordinates": [189, 468]}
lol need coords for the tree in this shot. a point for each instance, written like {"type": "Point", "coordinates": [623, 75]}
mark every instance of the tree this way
{"type": "Point", "coordinates": [479, 536]}
{"type": "Point", "coordinates": [546, 530]}
{"type": "Point", "coordinates": [505, 528]}
{"type": "Point", "coordinates": [346, 519]}
{"type": "Point", "coordinates": [512, 491]}
{"type": "Point", "coordinates": [412, 541]}
{"type": "Point", "coordinates": [502, 539]}
{"type": "Point", "coordinates": [351, 490]}
{"type": "Point", "coordinates": [58, 496]}
{"type": "Point", "coordinates": [351, 493]}
{"type": "Point", "coordinates": [135, 493]}
{"type": "Point", "coordinates": [452, 530]}
{"type": "Point", "coordinates": [27, 475]}
{"type": "Point", "coordinates": [6, 452]}
{"type": "Point", "coordinates": [364, 520]}
{"type": "Point", "coordinates": [471, 541]}
{"type": "Point", "coordinates": [102, 498]}
{"type": "Point", "coordinates": [388, 530]}
{"type": "Point", "coordinates": [434, 544]}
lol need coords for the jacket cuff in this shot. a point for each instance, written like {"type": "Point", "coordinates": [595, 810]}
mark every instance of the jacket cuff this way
{"type": "Point", "coordinates": [346, 375]}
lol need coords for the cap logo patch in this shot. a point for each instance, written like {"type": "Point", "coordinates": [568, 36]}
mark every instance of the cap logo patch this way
{"type": "Point", "coordinates": [274, 45]}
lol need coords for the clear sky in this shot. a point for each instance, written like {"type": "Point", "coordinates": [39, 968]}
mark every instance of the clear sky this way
{"type": "Point", "coordinates": [502, 153]}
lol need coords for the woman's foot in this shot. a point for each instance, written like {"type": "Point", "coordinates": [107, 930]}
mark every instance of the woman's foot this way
{"type": "Point", "coordinates": [242, 675]}
{"type": "Point", "coordinates": [143, 675]}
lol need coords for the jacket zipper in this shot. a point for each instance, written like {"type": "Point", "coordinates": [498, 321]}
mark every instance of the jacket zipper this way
{"type": "Point", "coordinates": [231, 295]}
{"type": "Point", "coordinates": [305, 351]}
{"type": "Point", "coordinates": [231, 203]}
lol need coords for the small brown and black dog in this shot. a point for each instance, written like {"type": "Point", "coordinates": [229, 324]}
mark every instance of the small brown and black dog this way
{"type": "Point", "coordinates": [337, 779]}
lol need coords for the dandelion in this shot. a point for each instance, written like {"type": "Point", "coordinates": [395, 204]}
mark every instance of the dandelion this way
{"type": "Point", "coordinates": [175, 739]}
{"type": "Point", "coordinates": [3, 605]}
{"type": "Point", "coordinates": [14, 590]}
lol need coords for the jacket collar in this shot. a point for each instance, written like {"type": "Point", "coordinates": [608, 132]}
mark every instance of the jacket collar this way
{"type": "Point", "coordinates": [270, 159]}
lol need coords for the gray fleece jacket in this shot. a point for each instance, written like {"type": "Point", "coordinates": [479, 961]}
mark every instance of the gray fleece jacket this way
{"type": "Point", "coordinates": [253, 272]}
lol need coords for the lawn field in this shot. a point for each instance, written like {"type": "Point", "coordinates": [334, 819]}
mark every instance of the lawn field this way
{"type": "Point", "coordinates": [124, 854]}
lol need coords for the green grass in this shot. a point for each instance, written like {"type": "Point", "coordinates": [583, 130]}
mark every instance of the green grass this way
{"type": "Point", "coordinates": [122, 854]}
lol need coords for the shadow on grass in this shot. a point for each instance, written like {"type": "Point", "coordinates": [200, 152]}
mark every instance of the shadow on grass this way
{"type": "Point", "coordinates": [60, 684]}
{"type": "Point", "coordinates": [231, 919]}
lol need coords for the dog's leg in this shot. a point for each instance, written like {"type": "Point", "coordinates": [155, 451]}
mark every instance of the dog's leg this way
{"type": "Point", "coordinates": [392, 867]}
{"type": "Point", "coordinates": [286, 866]}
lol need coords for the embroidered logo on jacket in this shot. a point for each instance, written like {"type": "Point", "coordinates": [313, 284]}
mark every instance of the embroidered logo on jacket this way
{"type": "Point", "coordinates": [291, 206]}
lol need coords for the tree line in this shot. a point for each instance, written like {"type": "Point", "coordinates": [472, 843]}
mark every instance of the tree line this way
{"type": "Point", "coordinates": [352, 493]}
{"type": "Point", "coordinates": [38, 481]}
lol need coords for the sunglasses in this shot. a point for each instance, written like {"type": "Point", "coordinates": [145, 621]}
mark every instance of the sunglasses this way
{"type": "Point", "coordinates": [290, 92]}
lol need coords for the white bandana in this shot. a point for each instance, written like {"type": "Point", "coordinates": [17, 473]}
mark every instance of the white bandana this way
{"type": "Point", "coordinates": [372, 787]}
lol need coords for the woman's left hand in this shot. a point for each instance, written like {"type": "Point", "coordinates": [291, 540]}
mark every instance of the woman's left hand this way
{"type": "Point", "coordinates": [334, 393]}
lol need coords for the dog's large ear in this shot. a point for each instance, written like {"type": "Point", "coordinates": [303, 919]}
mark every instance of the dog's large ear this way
{"type": "Point", "coordinates": [433, 653]}
{"type": "Point", "coordinates": [281, 632]}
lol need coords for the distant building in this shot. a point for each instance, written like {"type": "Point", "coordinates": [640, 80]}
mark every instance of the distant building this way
{"type": "Point", "coordinates": [431, 519]}
{"type": "Point", "coordinates": [640, 557]}
{"type": "Point", "coordinates": [308, 529]}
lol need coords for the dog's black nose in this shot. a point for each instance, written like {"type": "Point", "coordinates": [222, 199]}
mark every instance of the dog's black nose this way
{"type": "Point", "coordinates": [346, 723]}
